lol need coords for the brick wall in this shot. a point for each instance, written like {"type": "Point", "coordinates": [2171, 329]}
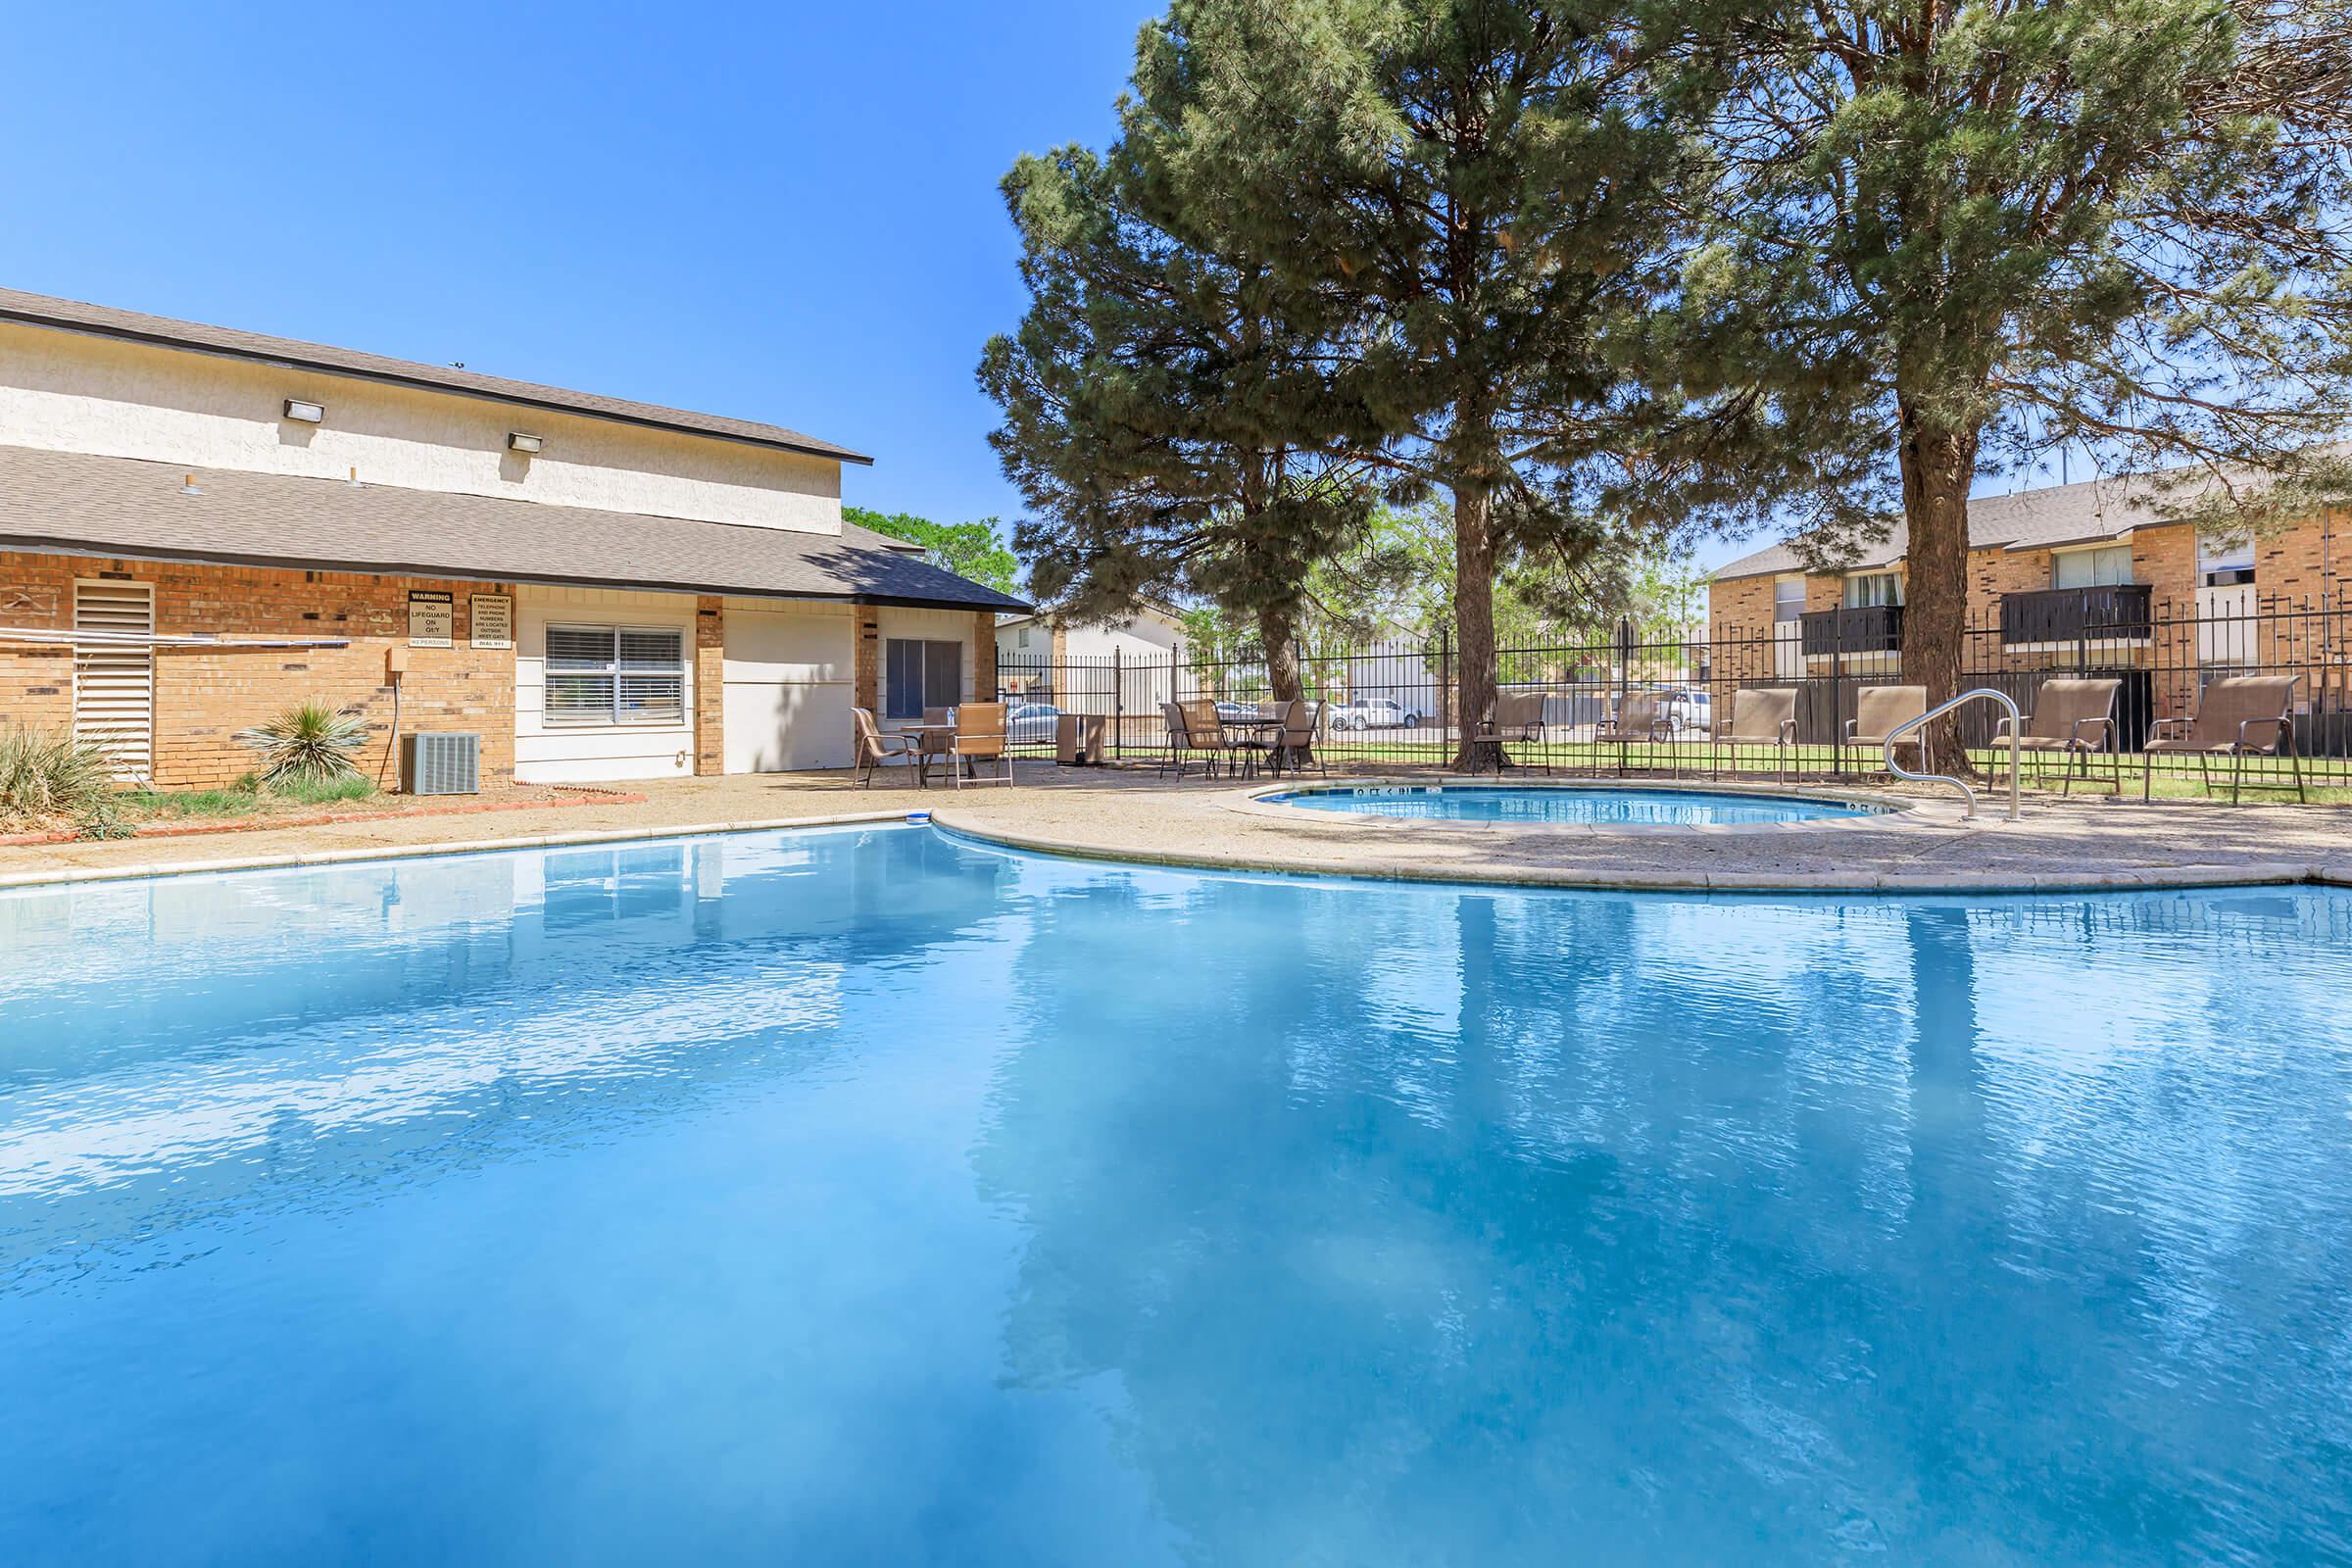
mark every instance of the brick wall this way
{"type": "Point", "coordinates": [710, 685]}
{"type": "Point", "coordinates": [865, 670]}
{"type": "Point", "coordinates": [984, 655]}
{"type": "Point", "coordinates": [204, 696]}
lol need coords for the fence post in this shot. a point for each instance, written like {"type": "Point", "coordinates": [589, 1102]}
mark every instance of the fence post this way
{"type": "Point", "coordinates": [1118, 702]}
{"type": "Point", "coordinates": [1444, 703]}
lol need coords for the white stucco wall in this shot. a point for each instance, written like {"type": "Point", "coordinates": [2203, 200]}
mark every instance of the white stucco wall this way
{"type": "Point", "coordinates": [75, 392]}
{"type": "Point", "coordinates": [587, 754]}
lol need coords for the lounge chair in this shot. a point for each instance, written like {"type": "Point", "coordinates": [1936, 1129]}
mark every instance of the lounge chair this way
{"type": "Point", "coordinates": [2237, 717]}
{"type": "Point", "coordinates": [869, 748]}
{"type": "Point", "coordinates": [1513, 718]}
{"type": "Point", "coordinates": [2072, 720]}
{"type": "Point", "coordinates": [979, 738]}
{"type": "Point", "coordinates": [1636, 722]}
{"type": "Point", "coordinates": [1761, 715]}
{"type": "Point", "coordinates": [1880, 711]}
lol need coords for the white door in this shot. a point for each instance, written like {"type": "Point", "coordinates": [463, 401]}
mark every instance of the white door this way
{"type": "Point", "coordinates": [114, 683]}
{"type": "Point", "coordinates": [786, 705]}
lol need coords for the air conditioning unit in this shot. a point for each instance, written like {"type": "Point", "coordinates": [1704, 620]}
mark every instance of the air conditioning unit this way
{"type": "Point", "coordinates": [441, 764]}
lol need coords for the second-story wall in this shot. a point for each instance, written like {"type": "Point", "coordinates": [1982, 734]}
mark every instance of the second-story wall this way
{"type": "Point", "coordinates": [81, 392]}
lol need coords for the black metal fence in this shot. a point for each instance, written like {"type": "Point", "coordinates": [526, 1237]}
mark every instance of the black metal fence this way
{"type": "Point", "coordinates": [1389, 702]}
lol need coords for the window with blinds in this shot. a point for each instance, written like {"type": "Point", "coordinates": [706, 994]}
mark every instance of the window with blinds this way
{"type": "Point", "coordinates": [615, 675]}
{"type": "Point", "coordinates": [918, 674]}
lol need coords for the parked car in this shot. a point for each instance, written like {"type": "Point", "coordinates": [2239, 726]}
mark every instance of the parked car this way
{"type": "Point", "coordinates": [1230, 712]}
{"type": "Point", "coordinates": [1030, 723]}
{"type": "Point", "coordinates": [1374, 713]}
{"type": "Point", "coordinates": [1689, 711]}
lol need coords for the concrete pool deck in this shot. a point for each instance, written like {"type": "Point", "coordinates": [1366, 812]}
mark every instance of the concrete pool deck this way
{"type": "Point", "coordinates": [1130, 813]}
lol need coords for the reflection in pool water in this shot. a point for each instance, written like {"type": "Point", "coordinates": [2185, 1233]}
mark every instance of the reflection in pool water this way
{"type": "Point", "coordinates": [1570, 805]}
{"type": "Point", "coordinates": [864, 1197]}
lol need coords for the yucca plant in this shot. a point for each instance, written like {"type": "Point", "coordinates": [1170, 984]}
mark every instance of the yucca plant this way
{"type": "Point", "coordinates": [49, 773]}
{"type": "Point", "coordinates": [309, 743]}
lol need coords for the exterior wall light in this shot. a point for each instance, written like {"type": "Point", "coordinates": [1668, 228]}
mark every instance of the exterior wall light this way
{"type": "Point", "coordinates": [308, 413]}
{"type": "Point", "coordinates": [517, 441]}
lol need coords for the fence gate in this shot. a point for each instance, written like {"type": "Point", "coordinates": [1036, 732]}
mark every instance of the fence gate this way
{"type": "Point", "coordinates": [114, 683]}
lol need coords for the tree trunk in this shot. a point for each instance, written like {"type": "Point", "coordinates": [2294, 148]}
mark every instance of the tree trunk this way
{"type": "Point", "coordinates": [1473, 614]}
{"type": "Point", "coordinates": [1939, 465]}
{"type": "Point", "coordinates": [1279, 639]}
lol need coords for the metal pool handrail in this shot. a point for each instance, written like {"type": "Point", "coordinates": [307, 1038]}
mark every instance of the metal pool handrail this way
{"type": "Point", "coordinates": [2017, 723]}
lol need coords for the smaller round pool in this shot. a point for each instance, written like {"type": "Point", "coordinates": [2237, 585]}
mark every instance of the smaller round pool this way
{"type": "Point", "coordinates": [1569, 806]}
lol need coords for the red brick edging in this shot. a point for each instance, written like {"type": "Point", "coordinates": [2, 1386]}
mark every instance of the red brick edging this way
{"type": "Point", "coordinates": [246, 824]}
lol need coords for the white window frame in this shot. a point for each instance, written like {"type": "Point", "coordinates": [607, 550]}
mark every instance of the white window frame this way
{"type": "Point", "coordinates": [2234, 562]}
{"type": "Point", "coordinates": [1781, 600]}
{"type": "Point", "coordinates": [2092, 554]}
{"type": "Point", "coordinates": [1893, 578]}
{"type": "Point", "coordinates": [618, 671]}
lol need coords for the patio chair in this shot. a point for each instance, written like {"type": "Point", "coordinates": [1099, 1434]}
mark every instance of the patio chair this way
{"type": "Point", "coordinates": [1302, 730]}
{"type": "Point", "coordinates": [1512, 718]}
{"type": "Point", "coordinates": [1636, 722]}
{"type": "Point", "coordinates": [1761, 715]}
{"type": "Point", "coordinates": [869, 748]}
{"type": "Point", "coordinates": [2072, 720]}
{"type": "Point", "coordinates": [1204, 731]}
{"type": "Point", "coordinates": [1880, 711]}
{"type": "Point", "coordinates": [2237, 717]}
{"type": "Point", "coordinates": [1172, 716]}
{"type": "Point", "coordinates": [979, 738]}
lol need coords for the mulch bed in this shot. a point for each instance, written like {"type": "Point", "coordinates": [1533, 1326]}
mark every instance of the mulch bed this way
{"type": "Point", "coordinates": [526, 798]}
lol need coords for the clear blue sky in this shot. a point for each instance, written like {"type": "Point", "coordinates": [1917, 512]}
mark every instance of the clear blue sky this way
{"type": "Point", "coordinates": [789, 213]}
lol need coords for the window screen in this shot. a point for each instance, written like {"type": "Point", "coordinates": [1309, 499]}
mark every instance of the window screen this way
{"type": "Point", "coordinates": [918, 674]}
{"type": "Point", "coordinates": [2223, 564]}
{"type": "Point", "coordinates": [615, 675]}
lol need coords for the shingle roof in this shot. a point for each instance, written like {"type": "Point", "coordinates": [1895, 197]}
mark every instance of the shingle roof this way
{"type": "Point", "coordinates": [2031, 520]}
{"type": "Point", "coordinates": [76, 503]}
{"type": "Point", "coordinates": [43, 310]}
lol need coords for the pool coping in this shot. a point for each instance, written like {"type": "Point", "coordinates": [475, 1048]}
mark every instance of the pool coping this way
{"type": "Point", "coordinates": [2267, 873]}
{"type": "Point", "coordinates": [1876, 814]}
{"type": "Point", "coordinates": [402, 852]}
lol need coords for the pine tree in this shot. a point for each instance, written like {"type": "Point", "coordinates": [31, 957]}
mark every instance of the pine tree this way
{"type": "Point", "coordinates": [1958, 235]}
{"type": "Point", "coordinates": [1167, 410]}
{"type": "Point", "coordinates": [1491, 186]}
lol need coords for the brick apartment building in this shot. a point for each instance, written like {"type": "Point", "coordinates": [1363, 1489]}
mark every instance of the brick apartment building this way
{"type": "Point", "coordinates": [199, 526]}
{"type": "Point", "coordinates": [2072, 576]}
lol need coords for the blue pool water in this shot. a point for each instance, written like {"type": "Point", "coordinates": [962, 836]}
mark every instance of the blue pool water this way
{"type": "Point", "coordinates": [1566, 804]}
{"type": "Point", "coordinates": [865, 1198]}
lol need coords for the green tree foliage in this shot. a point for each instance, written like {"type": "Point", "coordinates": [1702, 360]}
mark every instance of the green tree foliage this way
{"type": "Point", "coordinates": [1493, 186]}
{"type": "Point", "coordinates": [973, 550]}
{"type": "Point", "coordinates": [1167, 406]}
{"type": "Point", "coordinates": [1954, 237]}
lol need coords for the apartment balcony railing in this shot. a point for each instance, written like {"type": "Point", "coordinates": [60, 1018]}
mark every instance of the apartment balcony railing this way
{"type": "Point", "coordinates": [2074, 615]}
{"type": "Point", "coordinates": [1855, 629]}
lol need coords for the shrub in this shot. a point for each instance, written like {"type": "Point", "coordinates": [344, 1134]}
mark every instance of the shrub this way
{"type": "Point", "coordinates": [47, 773]}
{"type": "Point", "coordinates": [310, 743]}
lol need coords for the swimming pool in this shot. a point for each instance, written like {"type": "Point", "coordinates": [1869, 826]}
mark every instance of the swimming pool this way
{"type": "Point", "coordinates": [870, 1195]}
{"type": "Point", "coordinates": [1571, 805]}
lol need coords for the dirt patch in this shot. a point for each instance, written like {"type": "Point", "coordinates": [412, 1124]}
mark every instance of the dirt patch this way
{"type": "Point", "coordinates": [296, 813]}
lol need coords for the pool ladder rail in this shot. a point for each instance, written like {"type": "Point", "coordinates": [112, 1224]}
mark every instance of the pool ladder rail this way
{"type": "Point", "coordinates": [2017, 723]}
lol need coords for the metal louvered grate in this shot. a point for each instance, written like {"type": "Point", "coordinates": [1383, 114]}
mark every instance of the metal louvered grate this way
{"type": "Point", "coordinates": [114, 685]}
{"type": "Point", "coordinates": [441, 764]}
